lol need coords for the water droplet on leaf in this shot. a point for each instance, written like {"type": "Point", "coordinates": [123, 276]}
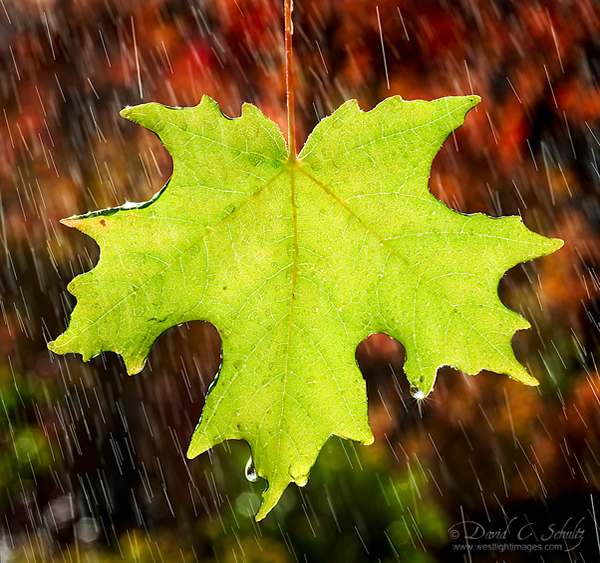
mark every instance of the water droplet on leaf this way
{"type": "Point", "coordinates": [251, 474]}
{"type": "Point", "coordinates": [302, 481]}
{"type": "Point", "coordinates": [416, 392]}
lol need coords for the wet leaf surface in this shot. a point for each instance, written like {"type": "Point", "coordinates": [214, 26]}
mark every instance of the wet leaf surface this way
{"type": "Point", "coordinates": [296, 261]}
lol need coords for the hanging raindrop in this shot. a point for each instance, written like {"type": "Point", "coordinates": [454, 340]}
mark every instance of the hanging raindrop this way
{"type": "Point", "coordinates": [302, 481]}
{"type": "Point", "coordinates": [251, 474]}
{"type": "Point", "coordinates": [416, 392]}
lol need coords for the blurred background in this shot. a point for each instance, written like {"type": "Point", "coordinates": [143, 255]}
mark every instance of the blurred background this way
{"type": "Point", "coordinates": [92, 464]}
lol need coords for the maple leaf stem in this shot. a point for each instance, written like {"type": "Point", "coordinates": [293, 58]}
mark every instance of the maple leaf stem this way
{"type": "Point", "coordinates": [289, 79]}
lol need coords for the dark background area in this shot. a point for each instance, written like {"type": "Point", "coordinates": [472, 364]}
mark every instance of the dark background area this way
{"type": "Point", "coordinates": [92, 464]}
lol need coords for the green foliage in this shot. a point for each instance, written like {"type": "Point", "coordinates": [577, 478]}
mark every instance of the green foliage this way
{"type": "Point", "coordinates": [25, 449]}
{"type": "Point", "coordinates": [296, 261]}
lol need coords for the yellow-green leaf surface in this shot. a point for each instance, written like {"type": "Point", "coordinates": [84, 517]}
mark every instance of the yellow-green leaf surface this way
{"type": "Point", "coordinates": [296, 262]}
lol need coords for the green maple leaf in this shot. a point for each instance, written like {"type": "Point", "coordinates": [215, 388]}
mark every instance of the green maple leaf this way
{"type": "Point", "coordinates": [296, 261]}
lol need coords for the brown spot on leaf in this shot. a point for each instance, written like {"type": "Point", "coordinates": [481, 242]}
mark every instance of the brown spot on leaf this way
{"type": "Point", "coordinates": [102, 222]}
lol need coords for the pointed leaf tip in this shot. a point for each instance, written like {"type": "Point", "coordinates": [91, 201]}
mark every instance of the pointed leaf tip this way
{"type": "Point", "coordinates": [125, 112]}
{"type": "Point", "coordinates": [134, 369]}
{"type": "Point", "coordinates": [525, 378]}
{"type": "Point", "coordinates": [271, 495]}
{"type": "Point", "coordinates": [368, 440]}
{"type": "Point", "coordinates": [203, 441]}
{"type": "Point", "coordinates": [74, 223]}
{"type": "Point", "coordinates": [150, 115]}
{"type": "Point", "coordinates": [557, 244]}
{"type": "Point", "coordinates": [193, 449]}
